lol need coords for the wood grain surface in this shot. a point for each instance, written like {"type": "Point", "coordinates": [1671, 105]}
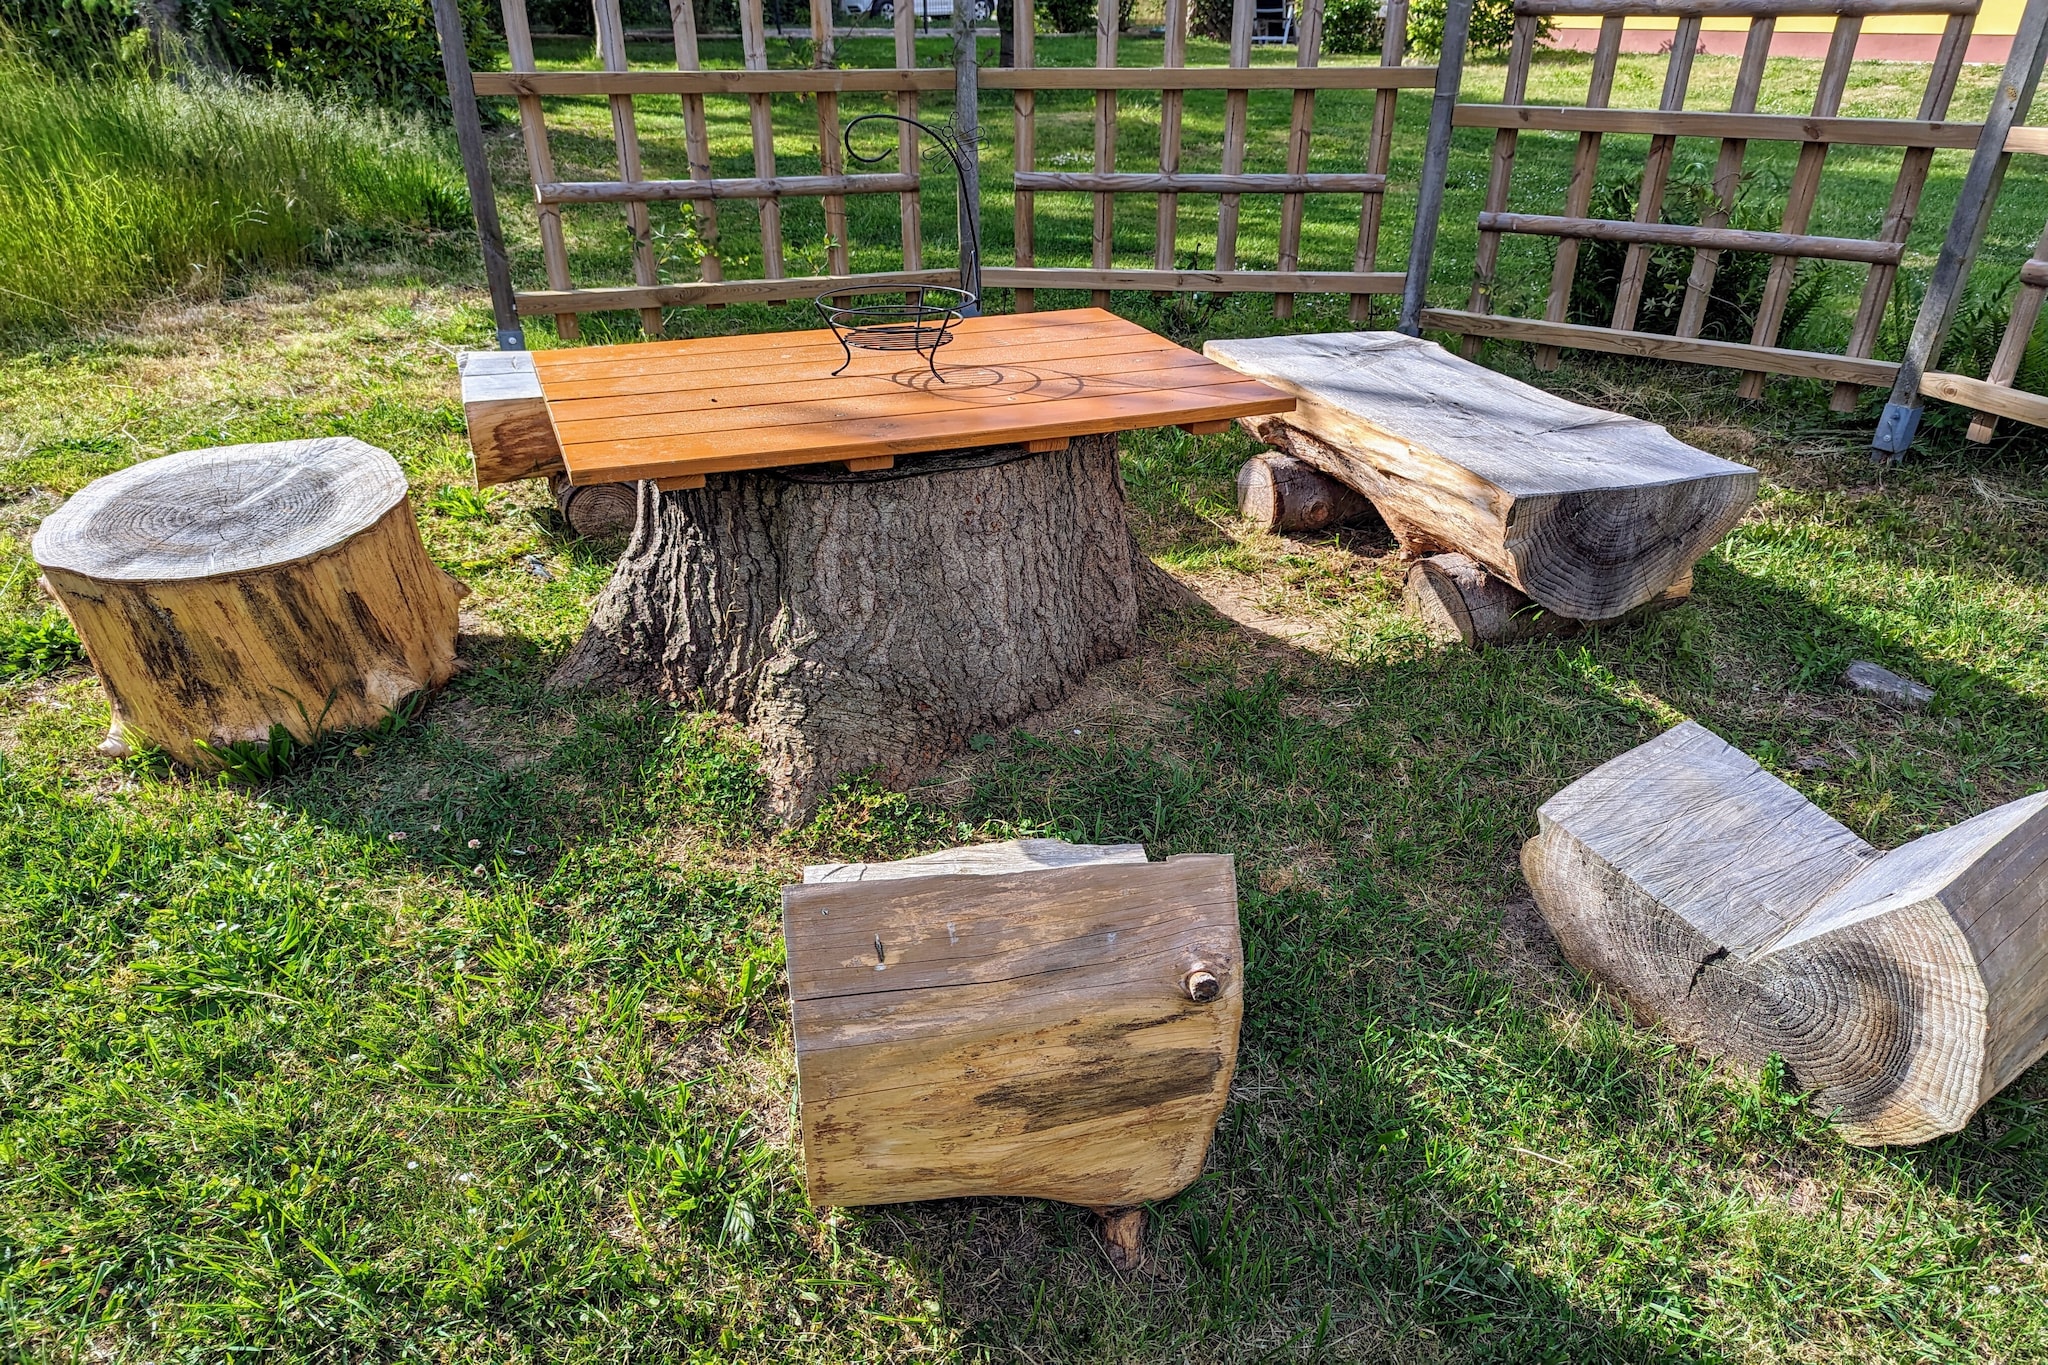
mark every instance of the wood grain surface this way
{"type": "Point", "coordinates": [1903, 989]}
{"type": "Point", "coordinates": [1008, 1028]}
{"type": "Point", "coordinates": [722, 404]}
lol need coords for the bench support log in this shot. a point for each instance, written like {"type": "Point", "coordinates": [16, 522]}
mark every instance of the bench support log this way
{"type": "Point", "coordinates": [1458, 602]}
{"type": "Point", "coordinates": [1277, 492]}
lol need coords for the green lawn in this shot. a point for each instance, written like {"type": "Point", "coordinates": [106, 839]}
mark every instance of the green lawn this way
{"type": "Point", "coordinates": [467, 1041]}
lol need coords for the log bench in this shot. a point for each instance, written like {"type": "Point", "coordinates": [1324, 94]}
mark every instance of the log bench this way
{"type": "Point", "coordinates": [1903, 989]}
{"type": "Point", "coordinates": [1587, 515]}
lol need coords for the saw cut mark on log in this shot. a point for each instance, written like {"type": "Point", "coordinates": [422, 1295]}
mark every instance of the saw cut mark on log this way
{"type": "Point", "coordinates": [1458, 602]}
{"type": "Point", "coordinates": [1904, 989]}
{"type": "Point", "coordinates": [991, 1025]}
{"type": "Point", "coordinates": [876, 621]}
{"type": "Point", "coordinates": [221, 592]}
{"type": "Point", "coordinates": [510, 432]}
{"type": "Point", "coordinates": [1590, 513]}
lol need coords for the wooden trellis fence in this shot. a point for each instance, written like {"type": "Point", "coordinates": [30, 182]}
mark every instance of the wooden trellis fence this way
{"type": "Point", "coordinates": [1736, 128]}
{"type": "Point", "coordinates": [1169, 182]}
{"type": "Point", "coordinates": [704, 191]}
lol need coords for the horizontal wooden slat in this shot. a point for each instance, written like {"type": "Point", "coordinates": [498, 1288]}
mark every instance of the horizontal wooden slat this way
{"type": "Point", "coordinates": [2033, 140]}
{"type": "Point", "coordinates": [548, 301]}
{"type": "Point", "coordinates": [1979, 396]}
{"type": "Point", "coordinates": [858, 399]}
{"type": "Point", "coordinates": [709, 82]}
{"type": "Point", "coordinates": [1712, 239]}
{"type": "Point", "coordinates": [663, 191]}
{"type": "Point", "coordinates": [1209, 78]}
{"type": "Point", "coordinates": [2034, 273]}
{"type": "Point", "coordinates": [743, 381]}
{"type": "Point", "coordinates": [1154, 183]}
{"type": "Point", "coordinates": [1213, 281]}
{"type": "Point", "coordinates": [1078, 331]}
{"type": "Point", "coordinates": [1847, 132]}
{"type": "Point", "coordinates": [911, 435]}
{"type": "Point", "coordinates": [1740, 9]}
{"type": "Point", "coordinates": [1729, 354]}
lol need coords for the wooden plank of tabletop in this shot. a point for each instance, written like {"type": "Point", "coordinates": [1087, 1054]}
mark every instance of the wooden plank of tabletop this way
{"type": "Point", "coordinates": [1113, 369]}
{"type": "Point", "coordinates": [968, 329]}
{"type": "Point", "coordinates": [746, 423]}
{"type": "Point", "coordinates": [804, 365]}
{"type": "Point", "coordinates": [666, 456]}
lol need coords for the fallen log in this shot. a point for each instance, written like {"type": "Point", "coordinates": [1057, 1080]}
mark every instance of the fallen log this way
{"type": "Point", "coordinates": [1589, 513]}
{"type": "Point", "coordinates": [222, 592]}
{"type": "Point", "coordinates": [1035, 1018]}
{"type": "Point", "coordinates": [1458, 602]}
{"type": "Point", "coordinates": [1276, 492]}
{"type": "Point", "coordinates": [1903, 989]}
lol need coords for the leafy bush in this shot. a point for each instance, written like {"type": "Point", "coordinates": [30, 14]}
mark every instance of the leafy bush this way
{"type": "Point", "coordinates": [1739, 278]}
{"type": "Point", "coordinates": [383, 50]}
{"type": "Point", "coordinates": [1493, 27]}
{"type": "Point", "coordinates": [1353, 26]}
{"type": "Point", "coordinates": [115, 186]}
{"type": "Point", "coordinates": [1211, 19]}
{"type": "Point", "coordinates": [1067, 16]}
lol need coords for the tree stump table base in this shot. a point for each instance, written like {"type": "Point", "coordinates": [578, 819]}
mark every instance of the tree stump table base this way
{"type": "Point", "coordinates": [872, 621]}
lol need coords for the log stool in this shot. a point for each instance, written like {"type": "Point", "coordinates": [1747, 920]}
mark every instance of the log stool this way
{"type": "Point", "coordinates": [222, 592]}
{"type": "Point", "coordinates": [1035, 1018]}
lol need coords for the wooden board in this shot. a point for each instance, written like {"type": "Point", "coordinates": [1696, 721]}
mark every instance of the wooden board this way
{"type": "Point", "coordinates": [1904, 988]}
{"type": "Point", "coordinates": [720, 404]}
{"type": "Point", "coordinates": [1590, 513]}
{"type": "Point", "coordinates": [1008, 1028]}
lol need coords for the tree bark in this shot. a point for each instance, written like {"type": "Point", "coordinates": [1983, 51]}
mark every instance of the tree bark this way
{"type": "Point", "coordinates": [1458, 602]}
{"type": "Point", "coordinates": [1903, 989]}
{"type": "Point", "coordinates": [222, 592]}
{"type": "Point", "coordinates": [873, 620]}
{"type": "Point", "coordinates": [1276, 492]}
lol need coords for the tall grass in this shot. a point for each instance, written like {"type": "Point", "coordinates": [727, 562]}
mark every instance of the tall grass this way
{"type": "Point", "coordinates": [119, 185]}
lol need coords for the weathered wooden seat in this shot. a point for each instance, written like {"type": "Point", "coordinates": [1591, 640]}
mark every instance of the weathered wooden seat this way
{"type": "Point", "coordinates": [1589, 513]}
{"type": "Point", "coordinates": [1904, 988]}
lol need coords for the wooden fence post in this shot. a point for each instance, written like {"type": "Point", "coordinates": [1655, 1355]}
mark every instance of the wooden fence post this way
{"type": "Point", "coordinates": [1436, 160]}
{"type": "Point", "coordinates": [476, 166]}
{"type": "Point", "coordinates": [967, 132]}
{"type": "Point", "coordinates": [2009, 105]}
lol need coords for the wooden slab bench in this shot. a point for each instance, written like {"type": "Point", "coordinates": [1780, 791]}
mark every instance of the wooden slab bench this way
{"type": "Point", "coordinates": [1904, 989]}
{"type": "Point", "coordinates": [1588, 513]}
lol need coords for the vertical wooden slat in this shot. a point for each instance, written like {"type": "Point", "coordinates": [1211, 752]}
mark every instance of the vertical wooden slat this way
{"type": "Point", "coordinates": [1749, 79]}
{"type": "Point", "coordinates": [1487, 256]}
{"type": "Point", "coordinates": [476, 169]}
{"type": "Point", "coordinates": [1027, 147]}
{"type": "Point", "coordinates": [1905, 204]}
{"type": "Point", "coordinates": [761, 113]}
{"type": "Point", "coordinates": [1170, 103]}
{"type": "Point", "coordinates": [907, 151]}
{"type": "Point", "coordinates": [1827, 101]}
{"type": "Point", "coordinates": [1436, 159]}
{"type": "Point", "coordinates": [1578, 194]}
{"type": "Point", "coordinates": [1105, 142]}
{"type": "Point", "coordinates": [1236, 107]}
{"type": "Point", "coordinates": [1379, 155]}
{"type": "Point", "coordinates": [611, 47]}
{"type": "Point", "coordinates": [540, 161]}
{"type": "Point", "coordinates": [1635, 266]}
{"type": "Point", "coordinates": [831, 157]}
{"type": "Point", "coordinates": [2012, 347]}
{"type": "Point", "coordinates": [1308, 37]}
{"type": "Point", "coordinates": [682, 16]}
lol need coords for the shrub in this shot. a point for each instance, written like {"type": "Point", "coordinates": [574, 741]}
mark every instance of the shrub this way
{"type": "Point", "coordinates": [1493, 27]}
{"type": "Point", "coordinates": [1211, 19]}
{"type": "Point", "coordinates": [1068, 16]}
{"type": "Point", "coordinates": [116, 186]}
{"type": "Point", "coordinates": [1353, 26]}
{"type": "Point", "coordinates": [383, 50]}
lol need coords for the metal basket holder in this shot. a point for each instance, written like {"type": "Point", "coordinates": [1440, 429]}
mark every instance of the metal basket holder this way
{"type": "Point", "coordinates": [920, 317]}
